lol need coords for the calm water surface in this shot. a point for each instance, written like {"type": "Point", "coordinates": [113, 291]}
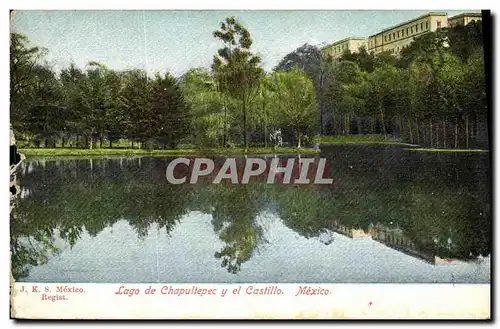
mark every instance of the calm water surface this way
{"type": "Point", "coordinates": [390, 216]}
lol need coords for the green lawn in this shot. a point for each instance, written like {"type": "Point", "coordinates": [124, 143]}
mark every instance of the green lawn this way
{"type": "Point", "coordinates": [360, 139]}
{"type": "Point", "coordinates": [60, 152]}
{"type": "Point", "coordinates": [446, 150]}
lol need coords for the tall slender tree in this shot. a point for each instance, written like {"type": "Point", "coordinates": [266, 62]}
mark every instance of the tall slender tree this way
{"type": "Point", "coordinates": [297, 101]}
{"type": "Point", "coordinates": [237, 69]}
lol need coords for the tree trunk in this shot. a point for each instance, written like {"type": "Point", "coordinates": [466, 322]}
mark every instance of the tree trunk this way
{"type": "Point", "coordinates": [224, 139]}
{"type": "Point", "coordinates": [265, 120]}
{"type": "Point", "coordinates": [382, 120]}
{"type": "Point", "coordinates": [456, 132]}
{"type": "Point", "coordinates": [473, 133]}
{"type": "Point", "coordinates": [265, 135]}
{"type": "Point", "coordinates": [63, 142]}
{"type": "Point", "coordinates": [418, 131]}
{"type": "Point", "coordinates": [321, 121]}
{"type": "Point", "coordinates": [299, 135]}
{"type": "Point", "coordinates": [444, 134]}
{"type": "Point", "coordinates": [410, 130]}
{"type": "Point", "coordinates": [430, 133]}
{"type": "Point", "coordinates": [321, 103]}
{"type": "Point", "coordinates": [132, 143]}
{"type": "Point", "coordinates": [245, 126]}
{"type": "Point", "coordinates": [466, 131]}
{"type": "Point", "coordinates": [100, 142]}
{"type": "Point", "coordinates": [437, 134]}
{"type": "Point", "coordinates": [110, 143]}
{"type": "Point", "coordinates": [424, 133]}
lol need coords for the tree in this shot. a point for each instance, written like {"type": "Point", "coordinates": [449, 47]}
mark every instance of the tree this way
{"type": "Point", "coordinates": [385, 93]}
{"type": "Point", "coordinates": [465, 40]}
{"type": "Point", "coordinates": [171, 114]}
{"type": "Point", "coordinates": [365, 61]}
{"type": "Point", "coordinates": [309, 59]}
{"type": "Point", "coordinates": [236, 69]}
{"type": "Point", "coordinates": [135, 99]}
{"type": "Point", "coordinates": [210, 120]}
{"type": "Point", "coordinates": [297, 100]}
{"type": "Point", "coordinates": [45, 117]}
{"type": "Point", "coordinates": [114, 118]}
{"type": "Point", "coordinates": [350, 94]}
{"type": "Point", "coordinates": [73, 88]}
{"type": "Point", "coordinates": [23, 62]}
{"type": "Point", "coordinates": [266, 114]}
{"type": "Point", "coordinates": [103, 86]}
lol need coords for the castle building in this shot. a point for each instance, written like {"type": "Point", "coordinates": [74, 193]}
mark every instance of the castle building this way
{"type": "Point", "coordinates": [397, 37]}
{"type": "Point", "coordinates": [336, 49]}
{"type": "Point", "coordinates": [464, 19]}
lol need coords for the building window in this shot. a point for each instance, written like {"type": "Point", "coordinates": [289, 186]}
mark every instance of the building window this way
{"type": "Point", "coordinates": [398, 49]}
{"type": "Point", "coordinates": [411, 30]}
{"type": "Point", "coordinates": [398, 34]}
{"type": "Point", "coordinates": [385, 38]}
{"type": "Point", "coordinates": [426, 25]}
{"type": "Point", "coordinates": [421, 26]}
{"type": "Point", "coordinates": [416, 28]}
{"type": "Point", "coordinates": [403, 32]}
{"type": "Point", "coordinates": [438, 24]}
{"type": "Point", "coordinates": [394, 35]}
{"type": "Point", "coordinates": [407, 31]}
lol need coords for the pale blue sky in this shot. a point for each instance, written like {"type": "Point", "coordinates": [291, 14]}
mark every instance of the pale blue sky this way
{"type": "Point", "coordinates": [176, 41]}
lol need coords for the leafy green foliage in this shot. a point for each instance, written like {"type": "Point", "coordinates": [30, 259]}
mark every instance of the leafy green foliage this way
{"type": "Point", "coordinates": [297, 100]}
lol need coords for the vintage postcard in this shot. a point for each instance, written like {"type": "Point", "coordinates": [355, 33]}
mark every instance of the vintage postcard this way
{"type": "Point", "coordinates": [255, 164]}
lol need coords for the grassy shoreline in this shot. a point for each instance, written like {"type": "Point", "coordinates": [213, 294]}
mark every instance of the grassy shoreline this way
{"type": "Point", "coordinates": [447, 150]}
{"type": "Point", "coordinates": [70, 152]}
{"type": "Point", "coordinates": [360, 140]}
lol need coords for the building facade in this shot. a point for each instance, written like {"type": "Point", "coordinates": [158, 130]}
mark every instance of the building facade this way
{"type": "Point", "coordinates": [336, 49]}
{"type": "Point", "coordinates": [464, 19]}
{"type": "Point", "coordinates": [395, 38]}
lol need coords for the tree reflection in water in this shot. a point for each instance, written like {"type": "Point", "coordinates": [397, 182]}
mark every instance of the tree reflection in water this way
{"type": "Point", "coordinates": [436, 203]}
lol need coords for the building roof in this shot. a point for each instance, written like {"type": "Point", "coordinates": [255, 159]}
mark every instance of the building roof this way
{"type": "Point", "coordinates": [341, 41]}
{"type": "Point", "coordinates": [466, 15]}
{"type": "Point", "coordinates": [409, 21]}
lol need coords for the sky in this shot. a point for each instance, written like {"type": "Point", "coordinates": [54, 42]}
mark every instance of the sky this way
{"type": "Point", "coordinates": [176, 41]}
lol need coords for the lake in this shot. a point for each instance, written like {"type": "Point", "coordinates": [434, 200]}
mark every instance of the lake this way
{"type": "Point", "coordinates": [390, 216]}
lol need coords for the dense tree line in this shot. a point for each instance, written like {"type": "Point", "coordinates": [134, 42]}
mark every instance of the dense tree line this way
{"type": "Point", "coordinates": [450, 217]}
{"type": "Point", "coordinates": [433, 94]}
